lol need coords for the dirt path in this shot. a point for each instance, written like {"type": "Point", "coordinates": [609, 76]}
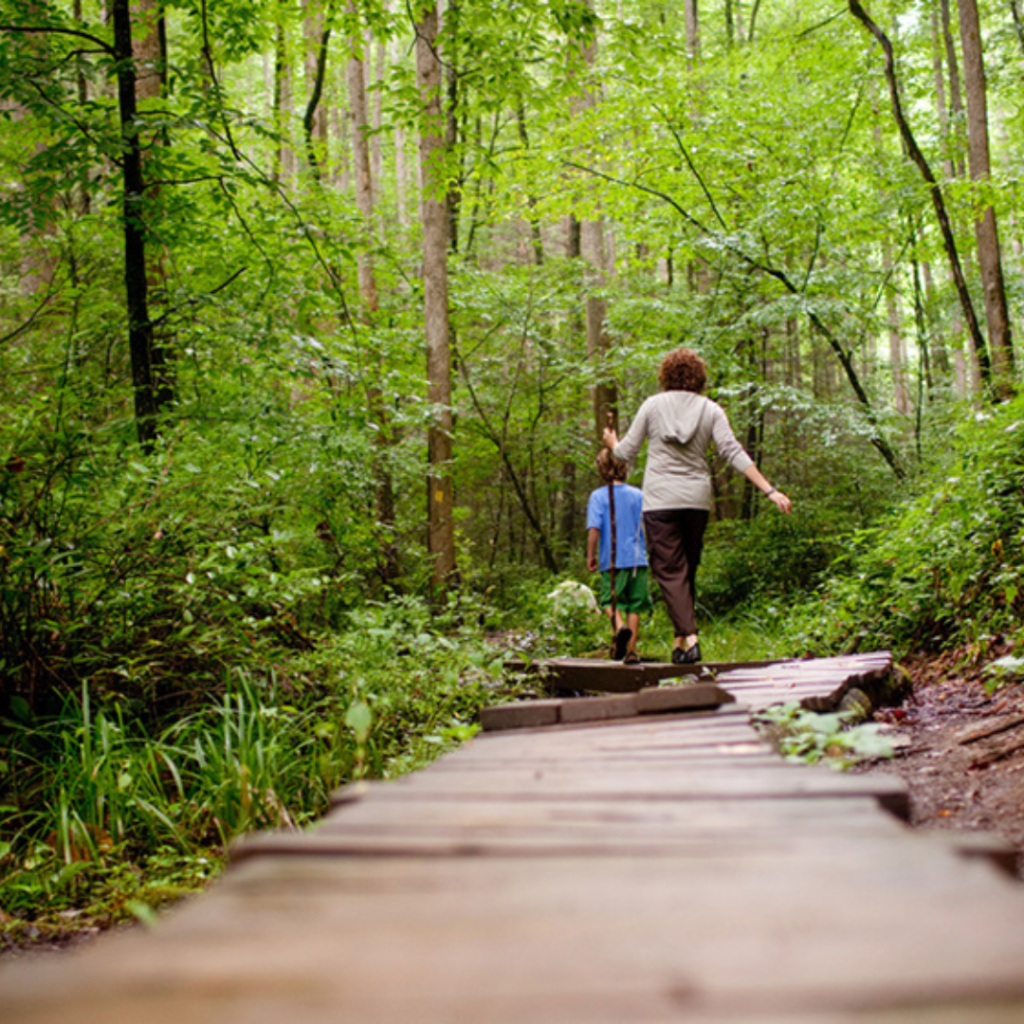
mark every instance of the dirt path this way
{"type": "Point", "coordinates": [963, 754]}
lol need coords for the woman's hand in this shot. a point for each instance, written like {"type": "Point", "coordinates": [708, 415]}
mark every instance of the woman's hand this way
{"type": "Point", "coordinates": [773, 494]}
{"type": "Point", "coordinates": [611, 439]}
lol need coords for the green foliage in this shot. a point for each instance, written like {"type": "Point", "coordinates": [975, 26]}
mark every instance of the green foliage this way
{"type": "Point", "coordinates": [809, 738]}
{"type": "Point", "coordinates": [946, 568]}
{"type": "Point", "coordinates": [93, 787]}
{"type": "Point", "coordinates": [1007, 669]}
{"type": "Point", "coordinates": [766, 560]}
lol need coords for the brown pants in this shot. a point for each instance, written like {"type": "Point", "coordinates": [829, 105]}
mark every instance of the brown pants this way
{"type": "Point", "coordinates": [675, 540]}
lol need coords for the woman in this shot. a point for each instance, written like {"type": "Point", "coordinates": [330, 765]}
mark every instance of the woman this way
{"type": "Point", "coordinates": [679, 424]}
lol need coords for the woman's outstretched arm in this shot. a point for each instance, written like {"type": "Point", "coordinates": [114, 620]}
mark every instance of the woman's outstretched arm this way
{"type": "Point", "coordinates": [757, 478]}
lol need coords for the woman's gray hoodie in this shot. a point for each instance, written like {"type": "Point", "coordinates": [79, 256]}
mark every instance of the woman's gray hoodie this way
{"type": "Point", "coordinates": [679, 426]}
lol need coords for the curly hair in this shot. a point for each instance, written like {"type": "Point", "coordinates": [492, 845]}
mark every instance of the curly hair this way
{"type": "Point", "coordinates": [683, 370]}
{"type": "Point", "coordinates": [610, 467]}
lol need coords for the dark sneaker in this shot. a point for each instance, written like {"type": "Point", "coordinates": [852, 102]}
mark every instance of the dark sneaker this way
{"type": "Point", "coordinates": [622, 639]}
{"type": "Point", "coordinates": [690, 657]}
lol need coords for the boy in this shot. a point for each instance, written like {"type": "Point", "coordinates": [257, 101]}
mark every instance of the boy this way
{"type": "Point", "coordinates": [631, 591]}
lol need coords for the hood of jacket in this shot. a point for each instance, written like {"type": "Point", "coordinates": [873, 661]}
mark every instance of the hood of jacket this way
{"type": "Point", "coordinates": [682, 414]}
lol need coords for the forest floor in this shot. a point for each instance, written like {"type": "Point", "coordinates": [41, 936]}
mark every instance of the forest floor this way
{"type": "Point", "coordinates": [961, 751]}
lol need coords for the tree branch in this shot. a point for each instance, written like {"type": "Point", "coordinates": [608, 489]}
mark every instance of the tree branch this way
{"type": "Point", "coordinates": [492, 435]}
{"type": "Point", "coordinates": [106, 47]}
{"type": "Point", "coordinates": [845, 360]}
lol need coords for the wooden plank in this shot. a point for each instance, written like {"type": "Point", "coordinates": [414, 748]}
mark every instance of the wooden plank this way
{"type": "Point", "coordinates": [568, 711]}
{"type": "Point", "coordinates": [635, 871]}
{"type": "Point", "coordinates": [521, 715]}
{"type": "Point", "coordinates": [595, 709]}
{"type": "Point", "coordinates": [656, 699]}
{"type": "Point", "coordinates": [822, 679]}
{"type": "Point", "coordinates": [527, 783]}
{"type": "Point", "coordinates": [829, 816]}
{"type": "Point", "coordinates": [555, 941]}
{"type": "Point", "coordinates": [444, 842]}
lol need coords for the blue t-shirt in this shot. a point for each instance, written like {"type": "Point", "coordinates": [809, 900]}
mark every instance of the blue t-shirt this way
{"type": "Point", "coordinates": [630, 548]}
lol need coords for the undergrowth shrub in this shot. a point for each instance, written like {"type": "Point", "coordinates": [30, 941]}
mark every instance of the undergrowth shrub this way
{"type": "Point", "coordinates": [770, 558]}
{"type": "Point", "coordinates": [94, 787]}
{"type": "Point", "coordinates": [943, 570]}
{"type": "Point", "coordinates": [150, 577]}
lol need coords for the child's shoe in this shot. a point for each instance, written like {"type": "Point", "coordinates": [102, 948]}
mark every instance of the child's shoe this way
{"type": "Point", "coordinates": [622, 639]}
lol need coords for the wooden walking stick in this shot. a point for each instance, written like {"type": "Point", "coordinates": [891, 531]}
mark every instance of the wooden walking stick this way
{"type": "Point", "coordinates": [611, 516]}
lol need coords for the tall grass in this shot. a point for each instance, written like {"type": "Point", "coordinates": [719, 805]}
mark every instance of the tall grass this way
{"type": "Point", "coordinates": [96, 803]}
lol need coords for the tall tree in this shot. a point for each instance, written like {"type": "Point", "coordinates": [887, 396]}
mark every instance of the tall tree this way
{"type": "Point", "coordinates": [956, 97]}
{"type": "Point", "coordinates": [364, 185]}
{"type": "Point", "coordinates": [593, 241]}
{"type": "Point", "coordinates": [149, 45]}
{"type": "Point", "coordinates": [986, 229]}
{"type": "Point", "coordinates": [691, 16]}
{"type": "Point", "coordinates": [317, 26]}
{"type": "Point", "coordinates": [951, 119]}
{"type": "Point", "coordinates": [284, 157]}
{"type": "Point", "coordinates": [435, 223]}
{"type": "Point", "coordinates": [149, 397]}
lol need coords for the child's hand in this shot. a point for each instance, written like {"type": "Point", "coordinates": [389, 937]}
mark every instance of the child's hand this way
{"type": "Point", "coordinates": [592, 563]}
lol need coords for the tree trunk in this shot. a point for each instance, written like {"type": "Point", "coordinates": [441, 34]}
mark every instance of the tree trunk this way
{"type": "Point", "coordinates": [753, 20]}
{"type": "Point", "coordinates": [140, 326]}
{"type": "Point", "coordinates": [149, 47]}
{"type": "Point", "coordinates": [941, 110]}
{"type": "Point", "coordinates": [384, 494]}
{"type": "Point", "coordinates": [926, 379]}
{"type": "Point", "coordinates": [692, 20]}
{"type": "Point", "coordinates": [376, 153]}
{"type": "Point", "coordinates": [939, 356]}
{"type": "Point", "coordinates": [434, 217]}
{"type": "Point", "coordinates": [362, 173]}
{"type": "Point", "coordinates": [284, 158]}
{"type": "Point", "coordinates": [605, 398]}
{"type": "Point", "coordinates": [956, 100]}
{"type": "Point", "coordinates": [536, 240]}
{"type": "Point", "coordinates": [317, 35]}
{"type": "Point", "coordinates": [697, 270]}
{"type": "Point", "coordinates": [1018, 22]}
{"type": "Point", "coordinates": [573, 250]}
{"type": "Point", "coordinates": [897, 348]}
{"type": "Point", "coordinates": [594, 250]}
{"type": "Point", "coordinates": [451, 108]}
{"type": "Point", "coordinates": [986, 230]}
{"type": "Point", "coordinates": [950, 119]}
{"type": "Point", "coordinates": [794, 372]}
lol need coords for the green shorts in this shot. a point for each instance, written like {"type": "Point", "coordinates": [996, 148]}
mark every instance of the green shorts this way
{"type": "Point", "coordinates": [632, 593]}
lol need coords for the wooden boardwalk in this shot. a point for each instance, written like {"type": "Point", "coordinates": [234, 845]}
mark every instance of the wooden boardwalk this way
{"type": "Point", "coordinates": [643, 869]}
